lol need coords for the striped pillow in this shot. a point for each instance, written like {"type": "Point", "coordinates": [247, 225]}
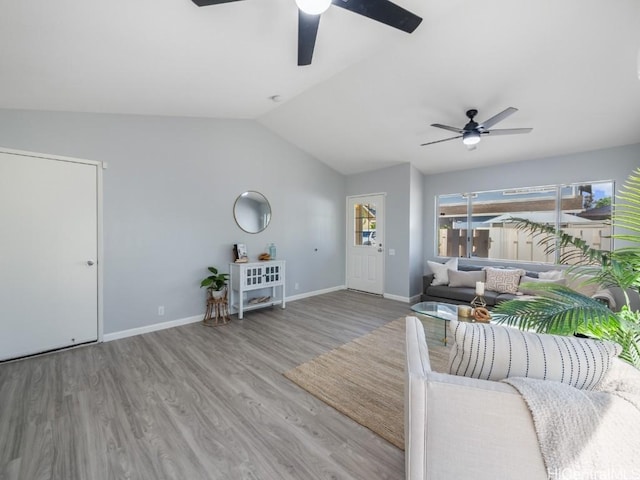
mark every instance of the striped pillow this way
{"type": "Point", "coordinates": [494, 352]}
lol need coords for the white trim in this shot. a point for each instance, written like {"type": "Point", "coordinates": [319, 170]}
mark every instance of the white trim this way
{"type": "Point", "coordinates": [367, 195]}
{"type": "Point", "coordinates": [108, 337]}
{"type": "Point", "coordinates": [349, 231]}
{"type": "Point", "coordinates": [49, 156]}
{"type": "Point", "coordinates": [397, 298]}
{"type": "Point", "coordinates": [316, 292]}
{"type": "Point", "coordinates": [99, 218]}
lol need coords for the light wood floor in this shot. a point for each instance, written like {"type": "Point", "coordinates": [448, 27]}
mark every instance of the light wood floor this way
{"type": "Point", "coordinates": [195, 402]}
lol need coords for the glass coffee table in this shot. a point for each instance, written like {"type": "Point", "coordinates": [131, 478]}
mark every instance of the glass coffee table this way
{"type": "Point", "coordinates": [440, 311]}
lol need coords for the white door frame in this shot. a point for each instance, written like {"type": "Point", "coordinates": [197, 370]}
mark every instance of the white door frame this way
{"type": "Point", "coordinates": [349, 233]}
{"type": "Point", "coordinates": [100, 246]}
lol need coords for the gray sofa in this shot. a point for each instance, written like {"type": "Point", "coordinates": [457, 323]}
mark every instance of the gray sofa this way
{"type": "Point", "coordinates": [614, 297]}
{"type": "Point", "coordinates": [462, 295]}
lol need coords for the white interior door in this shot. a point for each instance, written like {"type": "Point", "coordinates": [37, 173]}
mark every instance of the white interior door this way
{"type": "Point", "coordinates": [48, 254]}
{"type": "Point", "coordinates": [365, 240]}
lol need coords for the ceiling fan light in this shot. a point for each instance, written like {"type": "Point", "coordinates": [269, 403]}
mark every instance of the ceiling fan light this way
{"type": "Point", "coordinates": [313, 7]}
{"type": "Point", "coordinates": [470, 138]}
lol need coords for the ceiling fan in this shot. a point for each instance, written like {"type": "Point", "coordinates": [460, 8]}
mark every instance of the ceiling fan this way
{"type": "Point", "coordinates": [309, 12]}
{"type": "Point", "coordinates": [473, 131]}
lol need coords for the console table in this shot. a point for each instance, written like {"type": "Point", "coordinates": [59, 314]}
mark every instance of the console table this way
{"type": "Point", "coordinates": [247, 278]}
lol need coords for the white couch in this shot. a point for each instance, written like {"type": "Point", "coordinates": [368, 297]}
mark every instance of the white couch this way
{"type": "Point", "coordinates": [463, 428]}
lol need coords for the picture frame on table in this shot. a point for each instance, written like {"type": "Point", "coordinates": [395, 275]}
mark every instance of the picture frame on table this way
{"type": "Point", "coordinates": [240, 253]}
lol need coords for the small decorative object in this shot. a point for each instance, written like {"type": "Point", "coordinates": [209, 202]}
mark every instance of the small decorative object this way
{"type": "Point", "coordinates": [256, 300]}
{"type": "Point", "coordinates": [240, 253]}
{"type": "Point", "coordinates": [217, 312]}
{"type": "Point", "coordinates": [272, 251]}
{"type": "Point", "coordinates": [464, 311]}
{"type": "Point", "coordinates": [215, 282]}
{"type": "Point", "coordinates": [481, 314]}
{"type": "Point", "coordinates": [217, 305]}
{"type": "Point", "coordinates": [478, 300]}
{"type": "Point", "coordinates": [263, 257]}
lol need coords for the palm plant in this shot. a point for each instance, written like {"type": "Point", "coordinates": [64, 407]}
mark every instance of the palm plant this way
{"type": "Point", "coordinates": [560, 310]}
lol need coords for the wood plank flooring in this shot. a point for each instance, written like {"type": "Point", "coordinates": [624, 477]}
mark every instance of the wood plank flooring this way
{"type": "Point", "coordinates": [195, 402]}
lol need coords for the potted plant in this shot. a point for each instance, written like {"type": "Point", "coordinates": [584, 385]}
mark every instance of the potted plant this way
{"type": "Point", "coordinates": [215, 283]}
{"type": "Point", "coordinates": [560, 310]}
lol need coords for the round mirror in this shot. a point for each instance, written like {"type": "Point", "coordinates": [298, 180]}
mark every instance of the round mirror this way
{"type": "Point", "coordinates": [252, 212]}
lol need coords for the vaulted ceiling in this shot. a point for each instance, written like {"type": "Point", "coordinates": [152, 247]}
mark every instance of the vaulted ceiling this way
{"type": "Point", "coordinates": [571, 67]}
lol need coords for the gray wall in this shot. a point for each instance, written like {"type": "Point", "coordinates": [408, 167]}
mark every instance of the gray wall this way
{"type": "Point", "coordinates": [610, 164]}
{"type": "Point", "coordinates": [416, 226]}
{"type": "Point", "coordinates": [396, 183]}
{"type": "Point", "coordinates": [168, 196]}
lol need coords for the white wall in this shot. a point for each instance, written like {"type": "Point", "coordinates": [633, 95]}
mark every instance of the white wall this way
{"type": "Point", "coordinates": [168, 196]}
{"type": "Point", "coordinates": [609, 164]}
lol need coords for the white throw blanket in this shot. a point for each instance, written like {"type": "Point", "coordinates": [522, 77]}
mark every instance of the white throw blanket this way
{"type": "Point", "coordinates": [587, 434]}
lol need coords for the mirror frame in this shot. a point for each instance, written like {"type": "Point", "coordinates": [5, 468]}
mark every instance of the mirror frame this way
{"type": "Point", "coordinates": [245, 224]}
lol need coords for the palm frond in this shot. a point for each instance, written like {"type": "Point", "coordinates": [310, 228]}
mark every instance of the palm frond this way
{"type": "Point", "coordinates": [574, 250]}
{"type": "Point", "coordinates": [557, 309]}
{"type": "Point", "coordinates": [626, 212]}
{"type": "Point", "coordinates": [560, 310]}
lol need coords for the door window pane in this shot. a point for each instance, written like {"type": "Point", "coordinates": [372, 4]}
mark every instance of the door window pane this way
{"type": "Point", "coordinates": [365, 224]}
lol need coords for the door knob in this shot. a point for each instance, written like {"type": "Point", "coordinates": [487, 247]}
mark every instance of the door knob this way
{"type": "Point", "coordinates": [90, 262]}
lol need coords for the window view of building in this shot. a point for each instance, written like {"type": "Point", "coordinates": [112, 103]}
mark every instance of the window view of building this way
{"type": "Point", "coordinates": [480, 224]}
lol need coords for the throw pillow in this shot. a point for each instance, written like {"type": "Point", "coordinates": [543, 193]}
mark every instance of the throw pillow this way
{"type": "Point", "coordinates": [582, 284]}
{"type": "Point", "coordinates": [503, 280]}
{"type": "Point", "coordinates": [551, 275]}
{"type": "Point", "coordinates": [465, 279]}
{"type": "Point", "coordinates": [529, 291]}
{"type": "Point", "coordinates": [440, 271]}
{"type": "Point", "coordinates": [494, 352]}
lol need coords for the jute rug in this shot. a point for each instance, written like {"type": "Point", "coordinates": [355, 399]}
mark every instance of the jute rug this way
{"type": "Point", "coordinates": [364, 379]}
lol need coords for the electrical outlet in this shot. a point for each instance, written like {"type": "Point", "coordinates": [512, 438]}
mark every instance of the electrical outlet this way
{"type": "Point", "coordinates": [296, 286]}
{"type": "Point", "coordinates": [161, 310]}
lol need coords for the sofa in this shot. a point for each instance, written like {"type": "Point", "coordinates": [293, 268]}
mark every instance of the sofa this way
{"type": "Point", "coordinates": [464, 428]}
{"type": "Point", "coordinates": [457, 285]}
{"type": "Point", "coordinates": [478, 422]}
{"type": "Point", "coordinates": [464, 292]}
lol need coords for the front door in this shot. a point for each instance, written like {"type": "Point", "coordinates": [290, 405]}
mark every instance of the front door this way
{"type": "Point", "coordinates": [365, 238]}
{"type": "Point", "coordinates": [48, 254]}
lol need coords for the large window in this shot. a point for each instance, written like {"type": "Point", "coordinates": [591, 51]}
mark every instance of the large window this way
{"type": "Point", "coordinates": [477, 224]}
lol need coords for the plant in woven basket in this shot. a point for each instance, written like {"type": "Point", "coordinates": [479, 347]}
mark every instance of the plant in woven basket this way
{"type": "Point", "coordinates": [560, 310]}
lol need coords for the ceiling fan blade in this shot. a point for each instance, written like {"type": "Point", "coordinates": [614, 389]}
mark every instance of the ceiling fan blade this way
{"type": "Point", "coordinates": [440, 141]}
{"type": "Point", "coordinates": [487, 124]}
{"type": "Point", "coordinates": [205, 3]}
{"type": "Point", "coordinates": [307, 33]}
{"type": "Point", "coordinates": [382, 11]}
{"type": "Point", "coordinates": [447, 127]}
{"type": "Point", "coordinates": [507, 131]}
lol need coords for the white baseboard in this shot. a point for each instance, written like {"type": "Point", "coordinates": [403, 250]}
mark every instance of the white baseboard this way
{"type": "Point", "coordinates": [316, 292]}
{"type": "Point", "coordinates": [397, 298]}
{"type": "Point", "coordinates": [108, 337]}
{"type": "Point", "coordinates": [415, 299]}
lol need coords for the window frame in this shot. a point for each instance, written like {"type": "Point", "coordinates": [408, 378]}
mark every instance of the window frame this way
{"type": "Point", "coordinates": [559, 197]}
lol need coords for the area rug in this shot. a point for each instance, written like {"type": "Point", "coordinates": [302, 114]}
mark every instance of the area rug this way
{"type": "Point", "coordinates": [364, 379]}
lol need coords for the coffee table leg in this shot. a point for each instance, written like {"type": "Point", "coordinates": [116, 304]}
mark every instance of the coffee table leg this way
{"type": "Point", "coordinates": [444, 340]}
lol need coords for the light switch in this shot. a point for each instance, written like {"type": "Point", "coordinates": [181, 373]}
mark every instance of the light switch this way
{"type": "Point", "coordinates": [392, 251]}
